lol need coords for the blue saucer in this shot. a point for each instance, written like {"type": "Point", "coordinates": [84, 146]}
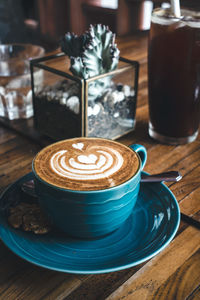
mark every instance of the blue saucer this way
{"type": "Point", "coordinates": [150, 228]}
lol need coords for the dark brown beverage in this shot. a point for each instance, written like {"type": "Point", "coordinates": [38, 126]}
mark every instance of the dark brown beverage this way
{"type": "Point", "coordinates": [174, 76]}
{"type": "Point", "coordinates": [86, 164]}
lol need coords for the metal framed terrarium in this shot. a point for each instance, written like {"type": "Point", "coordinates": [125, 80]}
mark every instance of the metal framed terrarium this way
{"type": "Point", "coordinates": [73, 100]}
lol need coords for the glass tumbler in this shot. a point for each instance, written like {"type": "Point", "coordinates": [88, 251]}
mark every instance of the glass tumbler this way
{"type": "Point", "coordinates": [15, 79]}
{"type": "Point", "coordinates": [174, 76]}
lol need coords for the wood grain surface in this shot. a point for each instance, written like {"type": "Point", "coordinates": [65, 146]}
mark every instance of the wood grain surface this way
{"type": "Point", "coordinates": [172, 274]}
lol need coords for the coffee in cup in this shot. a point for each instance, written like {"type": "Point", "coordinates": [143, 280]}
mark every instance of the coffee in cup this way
{"type": "Point", "coordinates": [88, 186]}
{"type": "Point", "coordinates": [86, 164]}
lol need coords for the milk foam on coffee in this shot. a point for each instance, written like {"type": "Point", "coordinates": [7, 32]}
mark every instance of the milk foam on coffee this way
{"type": "Point", "coordinates": [86, 164]}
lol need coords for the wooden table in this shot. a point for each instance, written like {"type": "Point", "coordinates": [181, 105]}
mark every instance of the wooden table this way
{"type": "Point", "coordinates": [172, 274]}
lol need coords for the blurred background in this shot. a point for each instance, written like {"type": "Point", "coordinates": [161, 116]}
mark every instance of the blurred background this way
{"type": "Point", "coordinates": [44, 22]}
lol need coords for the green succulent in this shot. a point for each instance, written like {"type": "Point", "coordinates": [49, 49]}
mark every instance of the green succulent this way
{"type": "Point", "coordinates": [92, 53]}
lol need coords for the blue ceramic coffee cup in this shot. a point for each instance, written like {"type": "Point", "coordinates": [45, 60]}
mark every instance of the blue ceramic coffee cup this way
{"type": "Point", "coordinates": [91, 214]}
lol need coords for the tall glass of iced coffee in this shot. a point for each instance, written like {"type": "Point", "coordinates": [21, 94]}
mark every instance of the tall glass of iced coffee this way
{"type": "Point", "coordinates": [174, 76]}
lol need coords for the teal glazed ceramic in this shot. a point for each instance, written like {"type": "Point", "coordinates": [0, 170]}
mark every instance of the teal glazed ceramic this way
{"type": "Point", "coordinates": [91, 214]}
{"type": "Point", "coordinates": [149, 229]}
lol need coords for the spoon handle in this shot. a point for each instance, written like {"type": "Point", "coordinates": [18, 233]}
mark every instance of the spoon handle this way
{"type": "Point", "coordinates": [166, 176]}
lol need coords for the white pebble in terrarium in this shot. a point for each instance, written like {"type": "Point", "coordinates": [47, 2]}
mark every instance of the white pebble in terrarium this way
{"type": "Point", "coordinates": [73, 104]}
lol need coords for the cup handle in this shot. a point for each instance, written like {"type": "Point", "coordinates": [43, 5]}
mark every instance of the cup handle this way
{"type": "Point", "coordinates": [141, 150]}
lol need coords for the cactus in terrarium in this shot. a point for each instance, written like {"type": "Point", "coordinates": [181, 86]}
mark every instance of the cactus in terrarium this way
{"type": "Point", "coordinates": [92, 54]}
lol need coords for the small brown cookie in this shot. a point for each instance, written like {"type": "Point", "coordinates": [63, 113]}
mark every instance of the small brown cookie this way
{"type": "Point", "coordinates": [35, 221]}
{"type": "Point", "coordinates": [29, 217]}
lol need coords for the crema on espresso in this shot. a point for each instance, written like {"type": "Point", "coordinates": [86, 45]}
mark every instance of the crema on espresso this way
{"type": "Point", "coordinates": [86, 164]}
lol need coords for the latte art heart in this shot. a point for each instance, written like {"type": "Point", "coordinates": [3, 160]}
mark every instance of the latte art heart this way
{"type": "Point", "coordinates": [102, 164]}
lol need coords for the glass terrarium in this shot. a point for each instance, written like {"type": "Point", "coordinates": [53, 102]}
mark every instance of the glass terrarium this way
{"type": "Point", "coordinates": [67, 106]}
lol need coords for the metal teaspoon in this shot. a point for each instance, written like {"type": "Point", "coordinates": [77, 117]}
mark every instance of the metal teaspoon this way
{"type": "Point", "coordinates": [166, 176]}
